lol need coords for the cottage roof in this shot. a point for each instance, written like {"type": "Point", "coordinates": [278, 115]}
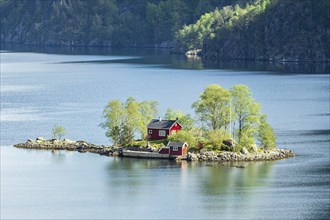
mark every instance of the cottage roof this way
{"type": "Point", "coordinates": [176, 144]}
{"type": "Point", "coordinates": [161, 124]}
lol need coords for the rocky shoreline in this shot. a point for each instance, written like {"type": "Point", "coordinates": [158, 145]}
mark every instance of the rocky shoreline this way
{"type": "Point", "coordinates": [66, 144]}
{"type": "Point", "coordinates": [233, 156]}
{"type": "Point", "coordinates": [83, 146]}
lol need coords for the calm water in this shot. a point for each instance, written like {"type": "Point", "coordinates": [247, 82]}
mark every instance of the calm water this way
{"type": "Point", "coordinates": [41, 89]}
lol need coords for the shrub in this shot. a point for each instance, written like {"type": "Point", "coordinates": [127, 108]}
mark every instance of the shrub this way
{"type": "Point", "coordinates": [58, 132]}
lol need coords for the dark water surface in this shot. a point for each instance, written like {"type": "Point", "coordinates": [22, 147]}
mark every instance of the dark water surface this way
{"type": "Point", "coordinates": [70, 88]}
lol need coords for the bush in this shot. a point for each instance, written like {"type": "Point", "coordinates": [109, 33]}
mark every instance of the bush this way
{"type": "Point", "coordinates": [184, 136]}
{"type": "Point", "coordinates": [226, 148]}
{"type": "Point", "coordinates": [139, 143]}
{"type": "Point", "coordinates": [58, 132]}
{"type": "Point", "coordinates": [215, 138]}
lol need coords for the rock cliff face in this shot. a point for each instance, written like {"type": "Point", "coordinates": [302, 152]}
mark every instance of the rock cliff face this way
{"type": "Point", "coordinates": [285, 31]}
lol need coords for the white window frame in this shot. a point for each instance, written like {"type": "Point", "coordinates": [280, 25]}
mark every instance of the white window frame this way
{"type": "Point", "coordinates": [150, 131]}
{"type": "Point", "coordinates": [175, 148]}
{"type": "Point", "coordinates": [162, 133]}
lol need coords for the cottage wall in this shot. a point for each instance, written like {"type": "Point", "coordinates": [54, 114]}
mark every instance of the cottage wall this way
{"type": "Point", "coordinates": [164, 151]}
{"type": "Point", "coordinates": [182, 151]}
{"type": "Point", "coordinates": [175, 128]}
{"type": "Point", "coordinates": [176, 153]}
{"type": "Point", "coordinates": [154, 135]}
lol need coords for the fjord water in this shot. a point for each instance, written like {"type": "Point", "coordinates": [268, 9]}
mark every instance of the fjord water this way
{"type": "Point", "coordinates": [41, 89]}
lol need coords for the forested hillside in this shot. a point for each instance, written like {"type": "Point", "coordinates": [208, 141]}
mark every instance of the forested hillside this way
{"type": "Point", "coordinates": [100, 22]}
{"type": "Point", "coordinates": [284, 30]}
{"type": "Point", "coordinates": [295, 30]}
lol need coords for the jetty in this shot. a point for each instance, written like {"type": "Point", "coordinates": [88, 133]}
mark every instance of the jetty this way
{"type": "Point", "coordinates": [144, 154]}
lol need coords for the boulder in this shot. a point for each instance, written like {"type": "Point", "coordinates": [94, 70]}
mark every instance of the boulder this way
{"type": "Point", "coordinates": [68, 141]}
{"type": "Point", "coordinates": [244, 151]}
{"type": "Point", "coordinates": [255, 148]}
{"type": "Point", "coordinates": [40, 139]}
{"type": "Point", "coordinates": [192, 157]}
{"type": "Point", "coordinates": [229, 142]}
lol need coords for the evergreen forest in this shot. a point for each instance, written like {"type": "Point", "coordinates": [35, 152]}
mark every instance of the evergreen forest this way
{"type": "Point", "coordinates": [285, 30]}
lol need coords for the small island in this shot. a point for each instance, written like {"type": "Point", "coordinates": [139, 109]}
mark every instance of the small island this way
{"type": "Point", "coordinates": [204, 155]}
{"type": "Point", "coordinates": [228, 127]}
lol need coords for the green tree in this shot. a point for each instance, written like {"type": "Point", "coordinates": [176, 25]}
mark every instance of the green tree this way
{"type": "Point", "coordinates": [266, 134]}
{"type": "Point", "coordinates": [132, 114]}
{"type": "Point", "coordinates": [58, 132]}
{"type": "Point", "coordinates": [185, 120]}
{"type": "Point", "coordinates": [126, 135]}
{"type": "Point", "coordinates": [114, 114]}
{"type": "Point", "coordinates": [247, 113]}
{"type": "Point", "coordinates": [215, 138]}
{"type": "Point", "coordinates": [213, 107]}
{"type": "Point", "coordinates": [147, 110]}
{"type": "Point", "coordinates": [184, 136]}
{"type": "Point", "coordinates": [124, 120]}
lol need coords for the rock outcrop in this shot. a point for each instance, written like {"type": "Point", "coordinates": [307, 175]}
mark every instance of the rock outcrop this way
{"type": "Point", "coordinates": [233, 156]}
{"type": "Point", "coordinates": [66, 144]}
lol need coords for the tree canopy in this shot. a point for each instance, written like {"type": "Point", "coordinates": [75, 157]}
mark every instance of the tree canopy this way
{"type": "Point", "coordinates": [213, 108]}
{"type": "Point", "coordinates": [227, 119]}
{"type": "Point", "coordinates": [58, 132]}
{"type": "Point", "coordinates": [124, 120]}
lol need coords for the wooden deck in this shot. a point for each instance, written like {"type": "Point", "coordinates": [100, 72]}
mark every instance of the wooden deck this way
{"type": "Point", "coordinates": [142, 154]}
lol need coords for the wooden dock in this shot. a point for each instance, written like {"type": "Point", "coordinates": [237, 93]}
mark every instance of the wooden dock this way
{"type": "Point", "coordinates": [143, 154]}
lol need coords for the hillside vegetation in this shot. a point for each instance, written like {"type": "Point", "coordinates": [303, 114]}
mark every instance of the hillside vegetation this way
{"type": "Point", "coordinates": [285, 30]}
{"type": "Point", "coordinates": [294, 30]}
{"type": "Point", "coordinates": [99, 22]}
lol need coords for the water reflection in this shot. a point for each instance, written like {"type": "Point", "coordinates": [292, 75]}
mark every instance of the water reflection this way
{"type": "Point", "coordinates": [58, 156]}
{"type": "Point", "coordinates": [234, 188]}
{"type": "Point", "coordinates": [223, 178]}
{"type": "Point", "coordinates": [131, 164]}
{"type": "Point", "coordinates": [280, 67]}
{"type": "Point", "coordinates": [164, 58]}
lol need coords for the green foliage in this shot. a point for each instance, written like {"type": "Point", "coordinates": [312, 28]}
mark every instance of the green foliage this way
{"type": "Point", "coordinates": [126, 135]}
{"type": "Point", "coordinates": [97, 22]}
{"type": "Point", "coordinates": [213, 107]}
{"type": "Point", "coordinates": [184, 136]}
{"type": "Point", "coordinates": [215, 139]}
{"type": "Point", "coordinates": [246, 112]}
{"type": "Point", "coordinates": [247, 139]}
{"type": "Point", "coordinates": [239, 29]}
{"type": "Point", "coordinates": [123, 120]}
{"type": "Point", "coordinates": [193, 36]}
{"type": "Point", "coordinates": [218, 110]}
{"type": "Point", "coordinates": [185, 120]}
{"type": "Point", "coordinates": [263, 30]}
{"type": "Point", "coordinates": [139, 143]}
{"type": "Point", "coordinates": [58, 132]}
{"type": "Point", "coordinates": [266, 134]}
{"type": "Point", "coordinates": [147, 110]}
{"type": "Point", "coordinates": [114, 114]}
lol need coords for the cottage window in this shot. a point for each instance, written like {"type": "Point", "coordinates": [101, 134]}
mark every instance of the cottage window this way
{"type": "Point", "coordinates": [162, 133]}
{"type": "Point", "coordinates": [150, 131]}
{"type": "Point", "coordinates": [175, 148]}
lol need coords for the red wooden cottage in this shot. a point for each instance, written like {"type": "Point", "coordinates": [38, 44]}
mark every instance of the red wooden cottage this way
{"type": "Point", "coordinates": [159, 129]}
{"type": "Point", "coordinates": [175, 149]}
